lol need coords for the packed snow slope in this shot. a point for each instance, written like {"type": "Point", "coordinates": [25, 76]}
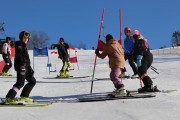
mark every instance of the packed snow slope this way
{"type": "Point", "coordinates": [162, 107]}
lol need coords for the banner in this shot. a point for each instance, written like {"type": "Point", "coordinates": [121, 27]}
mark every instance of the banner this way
{"type": "Point", "coordinates": [40, 52]}
{"type": "Point", "coordinates": [100, 45]}
{"type": "Point", "coordinates": [2, 64]}
{"type": "Point", "coordinates": [73, 59]}
{"type": "Point", "coordinates": [54, 52]}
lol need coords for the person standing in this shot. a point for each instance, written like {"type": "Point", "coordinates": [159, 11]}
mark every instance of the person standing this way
{"type": "Point", "coordinates": [24, 71]}
{"type": "Point", "coordinates": [144, 59]}
{"type": "Point", "coordinates": [115, 53]}
{"type": "Point", "coordinates": [129, 49]}
{"type": "Point", "coordinates": [63, 54]}
{"type": "Point", "coordinates": [6, 53]}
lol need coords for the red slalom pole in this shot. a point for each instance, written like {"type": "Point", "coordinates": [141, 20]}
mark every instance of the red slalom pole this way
{"type": "Point", "coordinates": [100, 32]}
{"type": "Point", "coordinates": [120, 18]}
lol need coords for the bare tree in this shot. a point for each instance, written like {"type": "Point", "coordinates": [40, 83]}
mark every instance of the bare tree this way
{"type": "Point", "coordinates": [38, 39]}
{"type": "Point", "coordinates": [1, 27]}
{"type": "Point", "coordinates": [175, 38]}
{"type": "Point", "coordinates": [82, 45]}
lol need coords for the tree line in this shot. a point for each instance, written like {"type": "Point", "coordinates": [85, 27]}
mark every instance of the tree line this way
{"type": "Point", "coordinates": [41, 40]}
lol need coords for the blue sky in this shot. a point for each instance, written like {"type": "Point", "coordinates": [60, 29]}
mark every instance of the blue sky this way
{"type": "Point", "coordinates": [78, 20]}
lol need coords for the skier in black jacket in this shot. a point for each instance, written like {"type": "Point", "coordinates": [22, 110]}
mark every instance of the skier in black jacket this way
{"type": "Point", "coordinates": [24, 71]}
{"type": "Point", "coordinates": [144, 59]}
{"type": "Point", "coordinates": [63, 54]}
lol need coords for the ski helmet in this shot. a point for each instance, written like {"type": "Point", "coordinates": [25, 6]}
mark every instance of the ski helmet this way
{"type": "Point", "coordinates": [136, 32]}
{"type": "Point", "coordinates": [24, 34]}
{"type": "Point", "coordinates": [127, 29]}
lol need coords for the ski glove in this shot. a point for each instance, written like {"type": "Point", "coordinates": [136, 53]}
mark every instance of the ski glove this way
{"type": "Point", "coordinates": [30, 71]}
{"type": "Point", "coordinates": [139, 59]}
{"type": "Point", "coordinates": [96, 51]}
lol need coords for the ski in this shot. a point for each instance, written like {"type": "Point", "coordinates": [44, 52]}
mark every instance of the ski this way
{"type": "Point", "coordinates": [24, 104]}
{"type": "Point", "coordinates": [123, 78]}
{"type": "Point", "coordinates": [139, 78]}
{"type": "Point", "coordinates": [106, 97]}
{"type": "Point", "coordinates": [71, 77]}
{"type": "Point", "coordinates": [161, 91]}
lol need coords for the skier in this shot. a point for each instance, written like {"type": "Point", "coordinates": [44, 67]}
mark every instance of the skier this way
{"type": "Point", "coordinates": [63, 54]}
{"type": "Point", "coordinates": [144, 59]}
{"type": "Point", "coordinates": [128, 49]}
{"type": "Point", "coordinates": [24, 71]}
{"type": "Point", "coordinates": [6, 53]}
{"type": "Point", "coordinates": [114, 51]}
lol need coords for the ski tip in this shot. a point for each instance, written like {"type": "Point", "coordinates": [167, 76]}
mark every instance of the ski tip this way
{"type": "Point", "coordinates": [169, 91]}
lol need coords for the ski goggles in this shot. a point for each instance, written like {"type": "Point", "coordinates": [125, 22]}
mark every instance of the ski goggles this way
{"type": "Point", "coordinates": [27, 34]}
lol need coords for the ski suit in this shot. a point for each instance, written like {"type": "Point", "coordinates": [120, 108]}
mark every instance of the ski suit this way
{"type": "Point", "coordinates": [142, 53]}
{"type": "Point", "coordinates": [63, 54]}
{"type": "Point", "coordinates": [115, 53]}
{"type": "Point", "coordinates": [24, 71]}
{"type": "Point", "coordinates": [6, 52]}
{"type": "Point", "coordinates": [129, 48]}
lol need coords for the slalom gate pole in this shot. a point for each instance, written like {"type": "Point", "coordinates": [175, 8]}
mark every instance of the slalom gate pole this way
{"type": "Point", "coordinates": [100, 32]}
{"type": "Point", "coordinates": [77, 59]}
{"type": "Point", "coordinates": [120, 18]}
{"type": "Point", "coordinates": [120, 21]}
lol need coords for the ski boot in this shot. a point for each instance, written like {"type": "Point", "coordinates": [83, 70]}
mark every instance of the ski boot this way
{"type": "Point", "coordinates": [5, 74]}
{"type": "Point", "coordinates": [62, 74]}
{"type": "Point", "coordinates": [119, 91]}
{"type": "Point", "coordinates": [155, 89]}
{"type": "Point", "coordinates": [10, 101]}
{"type": "Point", "coordinates": [148, 89]}
{"type": "Point", "coordinates": [67, 74]}
{"type": "Point", "coordinates": [26, 99]}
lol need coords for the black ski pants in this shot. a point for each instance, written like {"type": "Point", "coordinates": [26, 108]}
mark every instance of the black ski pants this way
{"type": "Point", "coordinates": [8, 63]}
{"type": "Point", "coordinates": [31, 81]}
{"type": "Point", "coordinates": [129, 57]}
{"type": "Point", "coordinates": [146, 63]}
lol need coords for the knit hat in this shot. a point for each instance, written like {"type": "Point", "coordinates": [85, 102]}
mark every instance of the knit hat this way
{"type": "Point", "coordinates": [108, 37]}
{"type": "Point", "coordinates": [61, 39]}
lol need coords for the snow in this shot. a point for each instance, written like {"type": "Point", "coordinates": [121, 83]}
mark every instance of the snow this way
{"type": "Point", "coordinates": [162, 107]}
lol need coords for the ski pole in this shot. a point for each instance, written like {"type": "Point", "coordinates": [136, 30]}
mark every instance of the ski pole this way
{"type": "Point", "coordinates": [152, 68]}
